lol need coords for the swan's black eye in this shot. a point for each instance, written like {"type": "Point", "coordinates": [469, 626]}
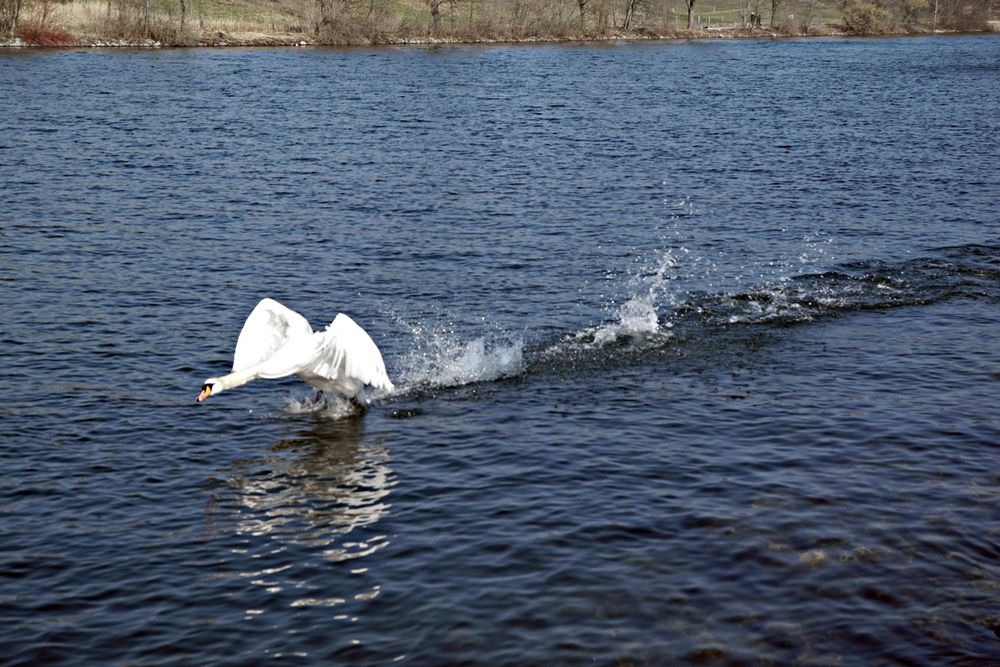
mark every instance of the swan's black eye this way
{"type": "Point", "coordinates": [205, 386]}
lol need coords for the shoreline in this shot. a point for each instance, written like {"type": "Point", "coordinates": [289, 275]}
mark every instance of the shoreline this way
{"type": "Point", "coordinates": [261, 40]}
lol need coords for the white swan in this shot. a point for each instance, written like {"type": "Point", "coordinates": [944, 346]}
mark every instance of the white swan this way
{"type": "Point", "coordinates": [277, 342]}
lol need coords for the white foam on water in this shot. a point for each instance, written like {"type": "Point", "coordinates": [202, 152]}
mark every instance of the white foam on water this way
{"type": "Point", "coordinates": [440, 358]}
{"type": "Point", "coordinates": [325, 406]}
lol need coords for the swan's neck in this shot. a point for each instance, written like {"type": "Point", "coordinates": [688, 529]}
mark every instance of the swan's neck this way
{"type": "Point", "coordinates": [235, 379]}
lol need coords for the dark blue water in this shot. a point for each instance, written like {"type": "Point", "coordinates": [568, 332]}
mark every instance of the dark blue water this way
{"type": "Point", "coordinates": [696, 348]}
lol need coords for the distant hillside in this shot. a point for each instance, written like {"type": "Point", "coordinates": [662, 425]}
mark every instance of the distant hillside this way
{"type": "Point", "coordinates": [350, 22]}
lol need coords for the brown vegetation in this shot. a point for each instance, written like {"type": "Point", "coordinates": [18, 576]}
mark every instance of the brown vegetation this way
{"type": "Point", "coordinates": [880, 17]}
{"type": "Point", "coordinates": [192, 22]}
{"type": "Point", "coordinates": [44, 36]}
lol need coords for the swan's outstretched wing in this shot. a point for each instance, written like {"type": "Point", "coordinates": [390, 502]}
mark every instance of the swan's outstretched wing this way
{"type": "Point", "coordinates": [268, 328]}
{"type": "Point", "coordinates": [347, 351]}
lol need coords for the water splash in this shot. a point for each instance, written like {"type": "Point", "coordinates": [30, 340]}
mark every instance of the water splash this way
{"type": "Point", "coordinates": [440, 358]}
{"type": "Point", "coordinates": [324, 406]}
{"type": "Point", "coordinates": [639, 316]}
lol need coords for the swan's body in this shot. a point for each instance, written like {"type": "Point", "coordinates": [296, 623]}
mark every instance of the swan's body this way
{"type": "Point", "coordinates": [277, 342]}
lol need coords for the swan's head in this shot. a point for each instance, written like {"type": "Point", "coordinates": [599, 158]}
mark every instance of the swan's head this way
{"type": "Point", "coordinates": [210, 387]}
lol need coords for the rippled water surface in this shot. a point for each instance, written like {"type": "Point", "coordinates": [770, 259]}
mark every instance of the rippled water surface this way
{"type": "Point", "coordinates": [696, 351]}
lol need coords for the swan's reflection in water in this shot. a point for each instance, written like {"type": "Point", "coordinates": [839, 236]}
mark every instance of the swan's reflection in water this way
{"type": "Point", "coordinates": [316, 498]}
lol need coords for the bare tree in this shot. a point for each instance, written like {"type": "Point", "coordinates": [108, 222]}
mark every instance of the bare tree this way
{"type": "Point", "coordinates": [435, 7]}
{"type": "Point", "coordinates": [9, 10]}
{"type": "Point", "coordinates": [582, 4]}
{"type": "Point", "coordinates": [810, 6]}
{"type": "Point", "coordinates": [368, 18]}
{"type": "Point", "coordinates": [631, 6]}
{"type": "Point", "coordinates": [963, 14]}
{"type": "Point", "coordinates": [324, 18]}
{"type": "Point", "coordinates": [690, 8]}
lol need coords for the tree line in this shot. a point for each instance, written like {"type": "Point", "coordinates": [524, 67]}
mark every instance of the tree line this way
{"type": "Point", "coordinates": [382, 21]}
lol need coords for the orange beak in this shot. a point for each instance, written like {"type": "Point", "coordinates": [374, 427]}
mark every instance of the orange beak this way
{"type": "Point", "coordinates": [205, 393]}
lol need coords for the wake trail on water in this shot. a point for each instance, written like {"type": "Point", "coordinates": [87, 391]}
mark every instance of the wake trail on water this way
{"type": "Point", "coordinates": [440, 358]}
{"type": "Point", "coordinates": [659, 311]}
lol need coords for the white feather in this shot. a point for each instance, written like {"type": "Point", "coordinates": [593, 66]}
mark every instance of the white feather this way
{"type": "Point", "coordinates": [347, 350]}
{"type": "Point", "coordinates": [269, 327]}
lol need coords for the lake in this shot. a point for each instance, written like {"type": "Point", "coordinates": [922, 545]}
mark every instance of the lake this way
{"type": "Point", "coordinates": [696, 346]}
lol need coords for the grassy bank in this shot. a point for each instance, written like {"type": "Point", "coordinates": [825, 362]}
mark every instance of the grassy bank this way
{"type": "Point", "coordinates": [357, 22]}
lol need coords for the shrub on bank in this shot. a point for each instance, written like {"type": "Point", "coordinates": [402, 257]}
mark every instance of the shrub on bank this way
{"type": "Point", "coordinates": [863, 17]}
{"type": "Point", "coordinates": [42, 36]}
